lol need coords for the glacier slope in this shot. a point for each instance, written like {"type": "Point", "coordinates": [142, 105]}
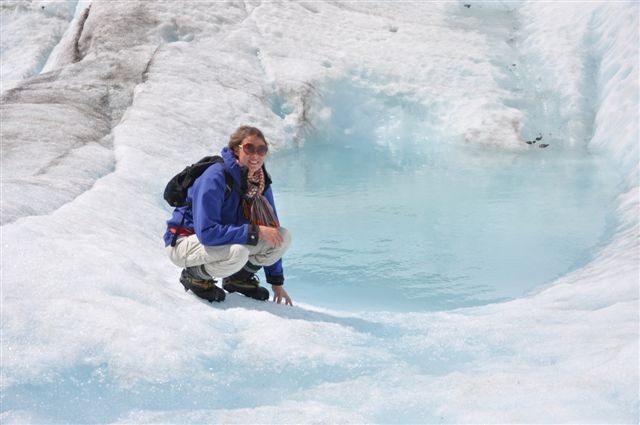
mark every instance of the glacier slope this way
{"type": "Point", "coordinates": [94, 326]}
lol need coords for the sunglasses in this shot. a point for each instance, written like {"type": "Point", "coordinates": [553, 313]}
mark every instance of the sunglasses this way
{"type": "Point", "coordinates": [250, 149]}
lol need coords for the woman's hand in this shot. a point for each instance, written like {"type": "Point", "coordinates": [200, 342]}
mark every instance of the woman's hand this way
{"type": "Point", "coordinates": [271, 235]}
{"type": "Point", "coordinates": [279, 294]}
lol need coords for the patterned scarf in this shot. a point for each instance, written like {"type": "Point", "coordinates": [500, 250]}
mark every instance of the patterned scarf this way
{"type": "Point", "coordinates": [255, 206]}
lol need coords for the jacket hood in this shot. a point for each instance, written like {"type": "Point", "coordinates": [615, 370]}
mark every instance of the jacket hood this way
{"type": "Point", "coordinates": [230, 160]}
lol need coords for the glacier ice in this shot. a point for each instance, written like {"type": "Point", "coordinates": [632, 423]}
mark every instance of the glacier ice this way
{"type": "Point", "coordinates": [94, 326]}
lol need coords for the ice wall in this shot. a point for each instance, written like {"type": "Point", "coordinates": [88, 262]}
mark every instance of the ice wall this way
{"type": "Point", "coordinates": [25, 53]}
{"type": "Point", "coordinates": [592, 74]}
{"type": "Point", "coordinates": [587, 67]}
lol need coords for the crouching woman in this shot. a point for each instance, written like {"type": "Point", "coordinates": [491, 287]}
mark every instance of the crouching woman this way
{"type": "Point", "coordinates": [229, 228]}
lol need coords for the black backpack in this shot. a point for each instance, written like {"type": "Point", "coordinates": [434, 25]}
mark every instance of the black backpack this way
{"type": "Point", "coordinates": [175, 193]}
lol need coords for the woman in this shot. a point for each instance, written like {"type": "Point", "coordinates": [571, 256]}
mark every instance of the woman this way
{"type": "Point", "coordinates": [231, 232]}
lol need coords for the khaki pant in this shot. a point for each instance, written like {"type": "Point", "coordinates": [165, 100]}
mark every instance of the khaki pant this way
{"type": "Point", "coordinates": [225, 260]}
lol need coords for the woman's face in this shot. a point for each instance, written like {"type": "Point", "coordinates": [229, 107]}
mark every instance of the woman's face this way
{"type": "Point", "coordinates": [249, 151]}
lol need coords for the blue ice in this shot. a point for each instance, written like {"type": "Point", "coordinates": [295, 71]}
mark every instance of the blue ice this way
{"type": "Point", "coordinates": [390, 208]}
{"type": "Point", "coordinates": [408, 220]}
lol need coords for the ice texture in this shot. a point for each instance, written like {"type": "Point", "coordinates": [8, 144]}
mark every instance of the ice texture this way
{"type": "Point", "coordinates": [102, 102]}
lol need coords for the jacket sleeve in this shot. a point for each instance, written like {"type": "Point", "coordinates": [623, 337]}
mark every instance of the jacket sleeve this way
{"type": "Point", "coordinates": [207, 197]}
{"type": "Point", "coordinates": [275, 272]}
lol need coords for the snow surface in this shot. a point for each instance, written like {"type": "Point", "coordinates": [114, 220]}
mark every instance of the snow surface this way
{"type": "Point", "coordinates": [94, 325]}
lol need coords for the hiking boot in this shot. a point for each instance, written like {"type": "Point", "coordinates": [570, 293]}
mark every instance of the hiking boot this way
{"type": "Point", "coordinates": [249, 287]}
{"type": "Point", "coordinates": [203, 288]}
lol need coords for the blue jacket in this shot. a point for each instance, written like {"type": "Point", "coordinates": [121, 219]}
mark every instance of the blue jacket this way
{"type": "Point", "coordinates": [219, 221]}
